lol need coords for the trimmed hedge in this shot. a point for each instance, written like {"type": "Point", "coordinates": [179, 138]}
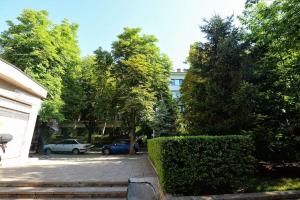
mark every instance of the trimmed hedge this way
{"type": "Point", "coordinates": [196, 165]}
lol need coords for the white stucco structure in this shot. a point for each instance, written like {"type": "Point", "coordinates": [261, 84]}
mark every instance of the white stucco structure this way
{"type": "Point", "coordinates": [20, 101]}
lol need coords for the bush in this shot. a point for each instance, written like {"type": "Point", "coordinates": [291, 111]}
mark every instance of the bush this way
{"type": "Point", "coordinates": [196, 165]}
{"type": "Point", "coordinates": [275, 146]}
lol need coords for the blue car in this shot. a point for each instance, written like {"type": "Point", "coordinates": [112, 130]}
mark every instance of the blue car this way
{"type": "Point", "coordinates": [119, 147]}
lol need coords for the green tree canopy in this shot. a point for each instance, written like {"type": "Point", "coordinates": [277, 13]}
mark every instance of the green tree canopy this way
{"type": "Point", "coordinates": [90, 92]}
{"type": "Point", "coordinates": [45, 51]}
{"type": "Point", "coordinates": [273, 31]}
{"type": "Point", "coordinates": [216, 76]}
{"type": "Point", "coordinates": [142, 75]}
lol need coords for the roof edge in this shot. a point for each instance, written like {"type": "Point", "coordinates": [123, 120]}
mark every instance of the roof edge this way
{"type": "Point", "coordinates": [15, 76]}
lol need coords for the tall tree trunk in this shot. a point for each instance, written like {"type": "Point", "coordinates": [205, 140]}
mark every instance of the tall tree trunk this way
{"type": "Point", "coordinates": [132, 140]}
{"type": "Point", "coordinates": [90, 132]}
{"type": "Point", "coordinates": [41, 131]}
{"type": "Point", "coordinates": [91, 126]}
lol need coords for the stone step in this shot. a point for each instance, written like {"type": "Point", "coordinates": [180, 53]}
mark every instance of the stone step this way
{"type": "Point", "coordinates": [64, 184]}
{"type": "Point", "coordinates": [72, 199]}
{"type": "Point", "coordinates": [62, 192]}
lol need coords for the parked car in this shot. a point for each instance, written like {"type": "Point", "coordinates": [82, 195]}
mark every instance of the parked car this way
{"type": "Point", "coordinates": [119, 147]}
{"type": "Point", "coordinates": [69, 145]}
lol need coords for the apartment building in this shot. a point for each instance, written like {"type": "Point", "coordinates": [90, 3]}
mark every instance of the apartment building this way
{"type": "Point", "coordinates": [175, 84]}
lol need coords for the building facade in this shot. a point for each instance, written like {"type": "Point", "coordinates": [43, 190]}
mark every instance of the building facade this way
{"type": "Point", "coordinates": [177, 78]}
{"type": "Point", "coordinates": [20, 101]}
{"type": "Point", "coordinates": [176, 81]}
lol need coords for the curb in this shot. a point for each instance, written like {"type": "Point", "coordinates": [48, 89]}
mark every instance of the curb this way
{"type": "Point", "coordinates": [291, 194]}
{"type": "Point", "coordinates": [143, 188]}
{"type": "Point", "coordinates": [62, 184]}
{"type": "Point", "coordinates": [159, 188]}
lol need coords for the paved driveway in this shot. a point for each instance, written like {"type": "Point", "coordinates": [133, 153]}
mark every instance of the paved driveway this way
{"type": "Point", "coordinates": [87, 167]}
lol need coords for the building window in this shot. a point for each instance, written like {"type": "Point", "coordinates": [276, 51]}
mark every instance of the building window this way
{"type": "Point", "coordinates": [176, 82]}
{"type": "Point", "coordinates": [172, 82]}
{"type": "Point", "coordinates": [181, 108]}
{"type": "Point", "coordinates": [176, 94]}
{"type": "Point", "coordinates": [180, 81]}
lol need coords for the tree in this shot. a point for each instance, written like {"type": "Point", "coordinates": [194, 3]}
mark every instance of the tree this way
{"type": "Point", "coordinates": [165, 116]}
{"type": "Point", "coordinates": [44, 51]}
{"type": "Point", "coordinates": [273, 32]}
{"type": "Point", "coordinates": [166, 109]}
{"type": "Point", "coordinates": [89, 92]}
{"type": "Point", "coordinates": [93, 102]}
{"type": "Point", "coordinates": [216, 81]}
{"type": "Point", "coordinates": [106, 87]}
{"type": "Point", "coordinates": [88, 81]}
{"type": "Point", "coordinates": [141, 74]}
{"type": "Point", "coordinates": [73, 95]}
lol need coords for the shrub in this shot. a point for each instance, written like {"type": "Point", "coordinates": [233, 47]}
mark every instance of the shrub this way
{"type": "Point", "coordinates": [275, 146]}
{"type": "Point", "coordinates": [202, 164]}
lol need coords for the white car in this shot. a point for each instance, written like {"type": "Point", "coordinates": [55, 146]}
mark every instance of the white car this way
{"type": "Point", "coordinates": [68, 145]}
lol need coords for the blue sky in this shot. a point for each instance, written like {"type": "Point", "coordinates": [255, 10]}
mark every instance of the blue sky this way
{"type": "Point", "coordinates": [174, 22]}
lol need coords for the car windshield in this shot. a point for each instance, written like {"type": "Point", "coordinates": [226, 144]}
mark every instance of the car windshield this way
{"type": "Point", "coordinates": [80, 141]}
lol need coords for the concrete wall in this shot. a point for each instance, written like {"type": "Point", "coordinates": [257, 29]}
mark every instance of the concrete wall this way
{"type": "Point", "coordinates": [20, 101]}
{"type": "Point", "coordinates": [17, 117]}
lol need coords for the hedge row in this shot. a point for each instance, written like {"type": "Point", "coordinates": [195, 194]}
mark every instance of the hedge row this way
{"type": "Point", "coordinates": [196, 165]}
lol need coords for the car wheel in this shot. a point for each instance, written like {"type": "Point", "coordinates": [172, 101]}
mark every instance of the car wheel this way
{"type": "Point", "coordinates": [75, 151]}
{"type": "Point", "coordinates": [48, 151]}
{"type": "Point", "coordinates": [106, 151]}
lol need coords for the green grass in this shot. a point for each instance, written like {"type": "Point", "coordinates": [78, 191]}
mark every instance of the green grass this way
{"type": "Point", "coordinates": [272, 184]}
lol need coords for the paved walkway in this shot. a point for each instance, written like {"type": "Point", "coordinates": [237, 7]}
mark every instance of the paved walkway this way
{"type": "Point", "coordinates": [87, 167]}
